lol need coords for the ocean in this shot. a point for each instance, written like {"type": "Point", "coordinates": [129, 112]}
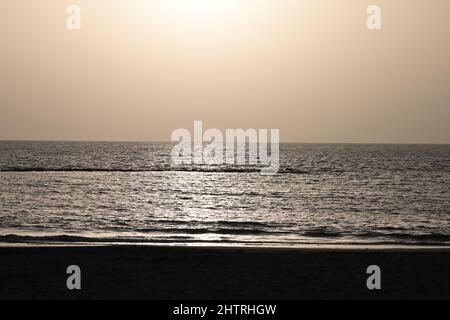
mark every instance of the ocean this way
{"type": "Point", "coordinates": [130, 193]}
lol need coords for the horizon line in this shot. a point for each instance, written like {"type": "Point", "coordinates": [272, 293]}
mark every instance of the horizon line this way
{"type": "Point", "coordinates": [159, 141]}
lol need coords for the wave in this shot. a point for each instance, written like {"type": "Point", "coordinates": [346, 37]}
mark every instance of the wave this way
{"type": "Point", "coordinates": [221, 223]}
{"type": "Point", "coordinates": [165, 169]}
{"type": "Point", "coordinates": [222, 231]}
{"type": "Point", "coordinates": [65, 239]}
{"type": "Point", "coordinates": [218, 169]}
{"type": "Point", "coordinates": [149, 235]}
{"type": "Point", "coordinates": [262, 237]}
{"type": "Point", "coordinates": [323, 233]}
{"type": "Point", "coordinates": [420, 238]}
{"type": "Point", "coordinates": [14, 238]}
{"type": "Point", "coordinates": [72, 239]}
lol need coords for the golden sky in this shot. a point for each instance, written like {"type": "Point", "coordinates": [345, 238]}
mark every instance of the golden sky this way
{"type": "Point", "coordinates": [139, 69]}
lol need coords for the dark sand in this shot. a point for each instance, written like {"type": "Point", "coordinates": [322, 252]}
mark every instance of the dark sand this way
{"type": "Point", "coordinates": [211, 273]}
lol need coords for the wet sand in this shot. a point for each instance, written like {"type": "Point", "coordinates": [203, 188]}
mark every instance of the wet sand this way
{"type": "Point", "coordinates": [179, 273]}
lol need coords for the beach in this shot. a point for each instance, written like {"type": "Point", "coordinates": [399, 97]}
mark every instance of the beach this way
{"type": "Point", "coordinates": [189, 273]}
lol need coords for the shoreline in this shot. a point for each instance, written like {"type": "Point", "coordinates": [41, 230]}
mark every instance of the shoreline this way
{"type": "Point", "coordinates": [305, 248]}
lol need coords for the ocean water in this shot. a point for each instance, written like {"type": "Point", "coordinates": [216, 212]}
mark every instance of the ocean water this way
{"type": "Point", "coordinates": [121, 193]}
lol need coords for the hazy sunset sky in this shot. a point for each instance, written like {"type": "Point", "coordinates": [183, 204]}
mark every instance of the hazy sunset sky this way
{"type": "Point", "coordinates": [139, 69]}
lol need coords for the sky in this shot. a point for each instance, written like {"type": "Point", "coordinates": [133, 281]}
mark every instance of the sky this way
{"type": "Point", "coordinates": [137, 70]}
